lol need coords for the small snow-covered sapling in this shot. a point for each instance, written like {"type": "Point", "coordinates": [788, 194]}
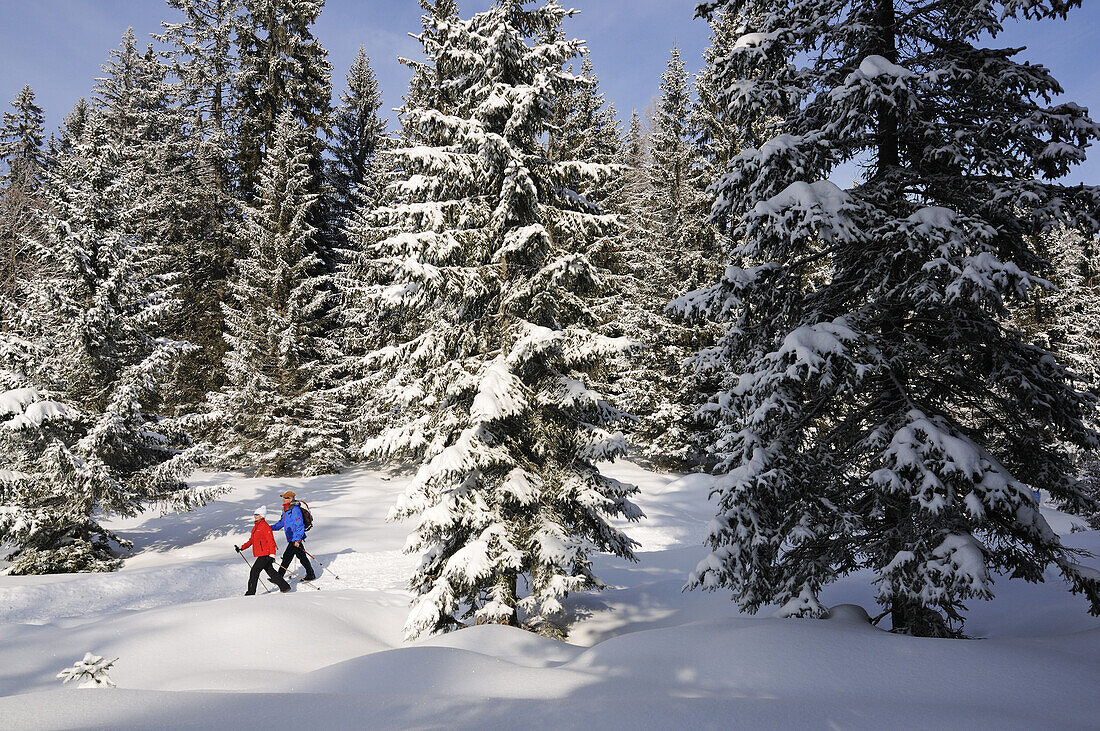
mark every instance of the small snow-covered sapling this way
{"type": "Point", "coordinates": [91, 671]}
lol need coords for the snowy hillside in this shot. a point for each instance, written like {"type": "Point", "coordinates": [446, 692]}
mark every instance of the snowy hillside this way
{"type": "Point", "coordinates": [195, 653]}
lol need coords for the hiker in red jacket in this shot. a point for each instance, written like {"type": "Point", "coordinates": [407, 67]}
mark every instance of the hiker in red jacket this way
{"type": "Point", "coordinates": [264, 549]}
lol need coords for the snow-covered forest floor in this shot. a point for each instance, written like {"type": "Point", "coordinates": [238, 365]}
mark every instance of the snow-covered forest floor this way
{"type": "Point", "coordinates": [195, 653]}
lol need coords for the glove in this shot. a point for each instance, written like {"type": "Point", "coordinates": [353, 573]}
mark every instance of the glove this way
{"type": "Point", "coordinates": [237, 549]}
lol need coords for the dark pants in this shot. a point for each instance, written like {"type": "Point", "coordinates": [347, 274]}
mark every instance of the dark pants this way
{"type": "Point", "coordinates": [298, 552]}
{"type": "Point", "coordinates": [265, 563]}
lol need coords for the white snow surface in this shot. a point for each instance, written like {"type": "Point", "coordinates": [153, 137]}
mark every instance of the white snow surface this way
{"type": "Point", "coordinates": [193, 653]}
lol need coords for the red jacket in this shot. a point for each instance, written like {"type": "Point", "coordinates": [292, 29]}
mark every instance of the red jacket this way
{"type": "Point", "coordinates": [263, 539]}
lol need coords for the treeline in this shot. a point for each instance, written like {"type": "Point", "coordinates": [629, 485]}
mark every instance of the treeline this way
{"type": "Point", "coordinates": [212, 264]}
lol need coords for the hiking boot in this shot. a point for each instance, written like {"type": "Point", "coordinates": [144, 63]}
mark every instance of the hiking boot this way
{"type": "Point", "coordinates": [284, 589]}
{"type": "Point", "coordinates": [311, 577]}
{"type": "Point", "coordinates": [250, 593]}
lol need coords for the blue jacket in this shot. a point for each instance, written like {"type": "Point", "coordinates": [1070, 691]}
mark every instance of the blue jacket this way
{"type": "Point", "coordinates": [292, 524]}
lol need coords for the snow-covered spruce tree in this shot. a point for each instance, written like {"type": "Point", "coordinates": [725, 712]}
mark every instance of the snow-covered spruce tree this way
{"type": "Point", "coordinates": [433, 84]}
{"type": "Point", "coordinates": [1064, 318]}
{"type": "Point", "coordinates": [47, 512]}
{"type": "Point", "coordinates": [632, 185]}
{"type": "Point", "coordinates": [671, 153]}
{"type": "Point", "coordinates": [91, 671]}
{"type": "Point", "coordinates": [357, 175]}
{"type": "Point", "coordinates": [21, 136]}
{"type": "Point", "coordinates": [72, 129]}
{"type": "Point", "coordinates": [875, 412]}
{"type": "Point", "coordinates": [23, 159]}
{"type": "Point", "coordinates": [366, 324]}
{"type": "Point", "coordinates": [203, 61]}
{"type": "Point", "coordinates": [80, 439]}
{"type": "Point", "coordinates": [282, 67]}
{"type": "Point", "coordinates": [669, 251]}
{"type": "Point", "coordinates": [357, 138]}
{"type": "Point", "coordinates": [587, 128]}
{"type": "Point", "coordinates": [718, 137]}
{"type": "Point", "coordinates": [278, 416]}
{"type": "Point", "coordinates": [687, 245]}
{"type": "Point", "coordinates": [150, 134]}
{"type": "Point", "coordinates": [486, 253]}
{"type": "Point", "coordinates": [146, 138]}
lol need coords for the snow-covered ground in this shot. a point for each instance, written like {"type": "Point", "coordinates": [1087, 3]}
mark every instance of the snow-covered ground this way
{"type": "Point", "coordinates": [194, 653]}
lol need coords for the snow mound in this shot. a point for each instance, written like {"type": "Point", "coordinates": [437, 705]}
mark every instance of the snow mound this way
{"type": "Point", "coordinates": [849, 614]}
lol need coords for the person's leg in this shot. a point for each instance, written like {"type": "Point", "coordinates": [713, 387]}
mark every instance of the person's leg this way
{"type": "Point", "coordinates": [276, 577]}
{"type": "Point", "coordinates": [253, 576]}
{"type": "Point", "coordinates": [304, 558]}
{"type": "Point", "coordinates": [288, 554]}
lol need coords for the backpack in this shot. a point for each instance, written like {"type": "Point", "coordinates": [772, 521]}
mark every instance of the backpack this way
{"type": "Point", "coordinates": [307, 517]}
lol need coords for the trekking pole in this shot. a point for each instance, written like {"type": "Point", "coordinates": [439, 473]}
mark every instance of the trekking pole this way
{"type": "Point", "coordinates": [322, 565]}
{"type": "Point", "coordinates": [284, 568]}
{"type": "Point", "coordinates": [266, 587]}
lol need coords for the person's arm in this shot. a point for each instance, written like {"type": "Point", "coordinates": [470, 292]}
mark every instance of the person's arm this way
{"type": "Point", "coordinates": [279, 524]}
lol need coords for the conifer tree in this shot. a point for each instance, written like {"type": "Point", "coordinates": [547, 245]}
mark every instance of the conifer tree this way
{"type": "Point", "coordinates": [135, 116]}
{"type": "Point", "coordinates": [172, 224]}
{"type": "Point", "coordinates": [80, 437]}
{"type": "Point", "coordinates": [677, 196]}
{"type": "Point", "coordinates": [21, 138]}
{"type": "Point", "coordinates": [1064, 318]}
{"type": "Point", "coordinates": [433, 84]}
{"type": "Point", "coordinates": [72, 128]}
{"type": "Point", "coordinates": [670, 252]}
{"type": "Point", "coordinates": [717, 136]}
{"type": "Point", "coordinates": [282, 67]}
{"type": "Point", "coordinates": [875, 412]}
{"type": "Point", "coordinates": [204, 62]}
{"type": "Point", "coordinates": [632, 192]}
{"type": "Point", "coordinates": [587, 127]}
{"type": "Point", "coordinates": [366, 324]}
{"type": "Point", "coordinates": [275, 412]}
{"type": "Point", "coordinates": [357, 177]}
{"type": "Point", "coordinates": [485, 249]}
{"type": "Point", "coordinates": [21, 151]}
{"type": "Point", "coordinates": [358, 134]}
{"type": "Point", "coordinates": [671, 154]}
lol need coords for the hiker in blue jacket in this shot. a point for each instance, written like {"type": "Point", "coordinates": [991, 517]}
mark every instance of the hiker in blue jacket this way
{"type": "Point", "coordinates": [294, 526]}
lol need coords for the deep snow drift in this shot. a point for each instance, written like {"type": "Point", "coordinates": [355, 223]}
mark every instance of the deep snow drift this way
{"type": "Point", "coordinates": [194, 653]}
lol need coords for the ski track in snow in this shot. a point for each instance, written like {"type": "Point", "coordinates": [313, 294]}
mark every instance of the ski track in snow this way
{"type": "Point", "coordinates": [643, 654]}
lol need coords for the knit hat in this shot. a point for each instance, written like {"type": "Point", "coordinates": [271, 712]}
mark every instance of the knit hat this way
{"type": "Point", "coordinates": [289, 495]}
{"type": "Point", "coordinates": [260, 511]}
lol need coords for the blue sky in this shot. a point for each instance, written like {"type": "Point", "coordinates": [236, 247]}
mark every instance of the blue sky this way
{"type": "Point", "coordinates": [57, 46]}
